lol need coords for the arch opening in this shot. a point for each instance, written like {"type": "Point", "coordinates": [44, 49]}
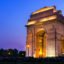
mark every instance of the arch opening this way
{"type": "Point", "coordinates": [41, 44]}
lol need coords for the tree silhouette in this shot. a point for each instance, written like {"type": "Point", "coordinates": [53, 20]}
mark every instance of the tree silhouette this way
{"type": "Point", "coordinates": [1, 52]}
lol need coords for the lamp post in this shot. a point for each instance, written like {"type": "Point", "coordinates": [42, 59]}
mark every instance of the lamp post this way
{"type": "Point", "coordinates": [28, 48]}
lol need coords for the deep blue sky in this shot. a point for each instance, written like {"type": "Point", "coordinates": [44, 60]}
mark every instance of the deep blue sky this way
{"type": "Point", "coordinates": [13, 18]}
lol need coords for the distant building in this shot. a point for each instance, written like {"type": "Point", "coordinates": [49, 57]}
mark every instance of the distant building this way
{"type": "Point", "coordinates": [45, 33]}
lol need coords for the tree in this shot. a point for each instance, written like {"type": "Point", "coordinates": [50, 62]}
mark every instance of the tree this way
{"type": "Point", "coordinates": [21, 54]}
{"type": "Point", "coordinates": [1, 52]}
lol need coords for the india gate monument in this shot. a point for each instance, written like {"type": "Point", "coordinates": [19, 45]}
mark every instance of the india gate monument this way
{"type": "Point", "coordinates": [45, 33]}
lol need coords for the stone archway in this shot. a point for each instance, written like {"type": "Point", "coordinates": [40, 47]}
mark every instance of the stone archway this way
{"type": "Point", "coordinates": [41, 44]}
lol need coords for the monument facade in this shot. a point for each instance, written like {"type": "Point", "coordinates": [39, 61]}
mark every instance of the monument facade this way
{"type": "Point", "coordinates": [45, 33]}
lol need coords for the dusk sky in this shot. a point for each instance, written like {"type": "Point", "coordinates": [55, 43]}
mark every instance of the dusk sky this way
{"type": "Point", "coordinates": [13, 18]}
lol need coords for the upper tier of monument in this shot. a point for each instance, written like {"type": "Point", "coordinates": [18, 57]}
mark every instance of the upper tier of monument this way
{"type": "Point", "coordinates": [45, 14]}
{"type": "Point", "coordinates": [45, 9]}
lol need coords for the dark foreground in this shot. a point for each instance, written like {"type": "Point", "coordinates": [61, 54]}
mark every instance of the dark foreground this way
{"type": "Point", "coordinates": [29, 60]}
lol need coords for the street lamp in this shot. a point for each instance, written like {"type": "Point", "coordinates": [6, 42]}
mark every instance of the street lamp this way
{"type": "Point", "coordinates": [28, 46]}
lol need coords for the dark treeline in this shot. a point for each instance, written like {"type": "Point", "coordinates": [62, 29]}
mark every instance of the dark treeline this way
{"type": "Point", "coordinates": [11, 53]}
{"type": "Point", "coordinates": [13, 56]}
